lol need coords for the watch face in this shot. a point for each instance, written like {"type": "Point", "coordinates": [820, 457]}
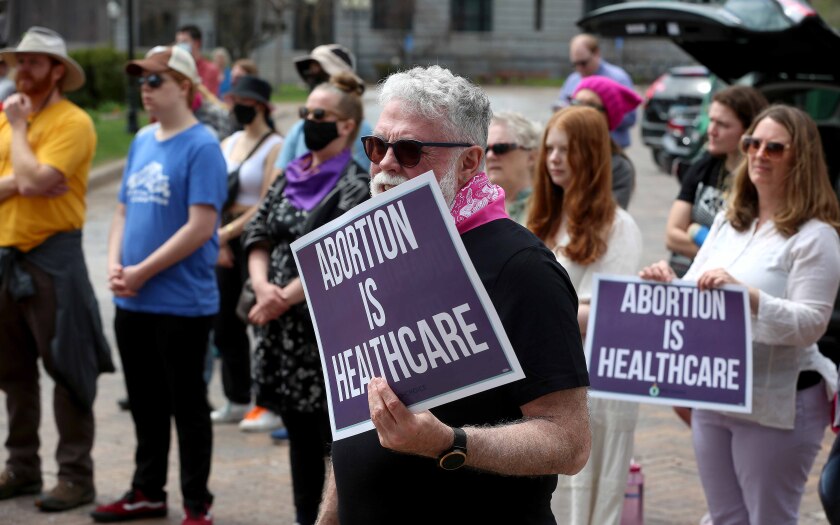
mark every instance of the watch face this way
{"type": "Point", "coordinates": [453, 460]}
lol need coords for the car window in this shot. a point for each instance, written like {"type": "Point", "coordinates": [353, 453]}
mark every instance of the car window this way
{"type": "Point", "coordinates": [759, 15]}
{"type": "Point", "coordinates": [821, 103]}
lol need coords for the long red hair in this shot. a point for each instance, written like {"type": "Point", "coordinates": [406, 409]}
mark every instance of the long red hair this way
{"type": "Point", "coordinates": [587, 204]}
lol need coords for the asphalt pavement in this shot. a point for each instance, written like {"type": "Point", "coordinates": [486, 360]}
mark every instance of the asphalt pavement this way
{"type": "Point", "coordinates": [250, 477]}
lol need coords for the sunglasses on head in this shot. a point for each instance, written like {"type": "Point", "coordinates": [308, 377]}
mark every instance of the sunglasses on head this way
{"type": "Point", "coordinates": [500, 148]}
{"type": "Point", "coordinates": [773, 150]}
{"type": "Point", "coordinates": [407, 151]}
{"type": "Point", "coordinates": [317, 113]}
{"type": "Point", "coordinates": [582, 103]}
{"type": "Point", "coordinates": [154, 80]}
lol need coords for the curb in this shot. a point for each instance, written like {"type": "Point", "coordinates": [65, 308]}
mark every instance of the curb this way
{"type": "Point", "coordinates": [105, 174]}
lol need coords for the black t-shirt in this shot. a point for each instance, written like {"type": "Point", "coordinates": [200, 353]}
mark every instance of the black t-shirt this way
{"type": "Point", "coordinates": [703, 188]}
{"type": "Point", "coordinates": [537, 305]}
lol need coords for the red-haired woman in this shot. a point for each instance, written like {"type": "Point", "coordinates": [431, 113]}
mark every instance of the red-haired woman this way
{"type": "Point", "coordinates": [573, 211]}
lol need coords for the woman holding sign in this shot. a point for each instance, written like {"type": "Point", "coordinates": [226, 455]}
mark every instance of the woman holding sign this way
{"type": "Point", "coordinates": [573, 211]}
{"type": "Point", "coordinates": [779, 239]}
{"type": "Point", "coordinates": [314, 189]}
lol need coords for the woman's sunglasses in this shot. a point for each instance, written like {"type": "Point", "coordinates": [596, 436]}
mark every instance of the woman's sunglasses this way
{"type": "Point", "coordinates": [500, 148]}
{"type": "Point", "coordinates": [408, 152]}
{"type": "Point", "coordinates": [317, 113]}
{"type": "Point", "coordinates": [154, 80]}
{"type": "Point", "coordinates": [773, 150]}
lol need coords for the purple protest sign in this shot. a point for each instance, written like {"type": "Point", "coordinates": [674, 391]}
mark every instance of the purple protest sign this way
{"type": "Point", "coordinates": [670, 344]}
{"type": "Point", "coordinates": [393, 294]}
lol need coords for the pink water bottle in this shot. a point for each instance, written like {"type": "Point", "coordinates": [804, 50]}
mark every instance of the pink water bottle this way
{"type": "Point", "coordinates": [632, 512]}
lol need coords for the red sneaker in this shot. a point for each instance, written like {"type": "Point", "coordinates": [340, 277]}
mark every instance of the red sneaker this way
{"type": "Point", "coordinates": [134, 505]}
{"type": "Point", "coordinates": [197, 516]}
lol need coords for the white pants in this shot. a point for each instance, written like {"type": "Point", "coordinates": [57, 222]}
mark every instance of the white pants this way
{"type": "Point", "coordinates": [595, 495]}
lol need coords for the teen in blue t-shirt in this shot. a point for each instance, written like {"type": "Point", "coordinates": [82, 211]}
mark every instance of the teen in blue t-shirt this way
{"type": "Point", "coordinates": [162, 253]}
{"type": "Point", "coordinates": [163, 178]}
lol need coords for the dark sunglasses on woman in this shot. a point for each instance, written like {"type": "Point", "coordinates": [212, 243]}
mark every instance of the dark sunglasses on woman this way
{"type": "Point", "coordinates": [773, 150]}
{"type": "Point", "coordinates": [154, 80]}
{"type": "Point", "coordinates": [500, 148]}
{"type": "Point", "coordinates": [408, 152]}
{"type": "Point", "coordinates": [317, 113]}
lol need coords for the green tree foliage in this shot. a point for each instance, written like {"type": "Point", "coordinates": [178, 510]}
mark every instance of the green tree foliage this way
{"type": "Point", "coordinates": [829, 10]}
{"type": "Point", "coordinates": [106, 79]}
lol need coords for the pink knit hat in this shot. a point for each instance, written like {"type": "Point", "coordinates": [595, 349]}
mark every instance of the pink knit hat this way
{"type": "Point", "coordinates": [618, 100]}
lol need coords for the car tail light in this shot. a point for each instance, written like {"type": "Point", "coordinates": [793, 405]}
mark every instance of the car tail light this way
{"type": "Point", "coordinates": [676, 129]}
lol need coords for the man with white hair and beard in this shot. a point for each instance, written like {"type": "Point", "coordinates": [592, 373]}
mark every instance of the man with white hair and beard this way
{"type": "Point", "coordinates": [494, 456]}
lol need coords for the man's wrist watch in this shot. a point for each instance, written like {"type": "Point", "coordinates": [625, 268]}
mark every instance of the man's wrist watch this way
{"type": "Point", "coordinates": [455, 457]}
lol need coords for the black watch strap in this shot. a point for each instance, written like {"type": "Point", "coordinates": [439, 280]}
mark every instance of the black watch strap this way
{"type": "Point", "coordinates": [456, 456]}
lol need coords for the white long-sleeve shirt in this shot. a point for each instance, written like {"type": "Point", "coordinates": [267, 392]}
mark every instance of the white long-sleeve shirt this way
{"type": "Point", "coordinates": [798, 278]}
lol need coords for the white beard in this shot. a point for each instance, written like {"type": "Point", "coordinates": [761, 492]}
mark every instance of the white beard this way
{"type": "Point", "coordinates": [448, 183]}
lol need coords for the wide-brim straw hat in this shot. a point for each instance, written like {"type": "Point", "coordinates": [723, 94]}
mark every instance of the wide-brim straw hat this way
{"type": "Point", "coordinates": [48, 42]}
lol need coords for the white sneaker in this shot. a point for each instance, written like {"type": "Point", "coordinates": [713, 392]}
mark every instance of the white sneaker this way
{"type": "Point", "coordinates": [260, 419]}
{"type": "Point", "coordinates": [230, 413]}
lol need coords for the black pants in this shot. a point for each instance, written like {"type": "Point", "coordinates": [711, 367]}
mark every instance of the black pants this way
{"type": "Point", "coordinates": [163, 363]}
{"type": "Point", "coordinates": [229, 332]}
{"type": "Point", "coordinates": [309, 442]}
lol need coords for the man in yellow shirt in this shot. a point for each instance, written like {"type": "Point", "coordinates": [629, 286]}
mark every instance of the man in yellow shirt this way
{"type": "Point", "coordinates": [47, 305]}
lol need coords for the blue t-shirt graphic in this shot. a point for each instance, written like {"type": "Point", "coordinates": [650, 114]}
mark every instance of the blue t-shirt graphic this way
{"type": "Point", "coordinates": [162, 179]}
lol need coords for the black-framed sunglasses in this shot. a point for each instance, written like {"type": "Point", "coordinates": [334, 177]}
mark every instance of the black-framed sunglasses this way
{"type": "Point", "coordinates": [774, 150]}
{"type": "Point", "coordinates": [500, 148]}
{"type": "Point", "coordinates": [317, 113]}
{"type": "Point", "coordinates": [154, 80]}
{"type": "Point", "coordinates": [408, 152]}
{"type": "Point", "coordinates": [583, 103]}
{"type": "Point", "coordinates": [581, 63]}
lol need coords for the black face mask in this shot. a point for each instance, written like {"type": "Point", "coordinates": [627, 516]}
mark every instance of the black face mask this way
{"type": "Point", "coordinates": [317, 135]}
{"type": "Point", "coordinates": [243, 114]}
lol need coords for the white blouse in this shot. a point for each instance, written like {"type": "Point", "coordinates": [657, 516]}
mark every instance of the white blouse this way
{"type": "Point", "coordinates": [251, 171]}
{"type": "Point", "coordinates": [798, 278]}
{"type": "Point", "coordinates": [624, 252]}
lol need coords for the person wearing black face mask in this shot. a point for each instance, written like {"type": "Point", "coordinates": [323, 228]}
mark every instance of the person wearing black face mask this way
{"type": "Point", "coordinates": [315, 69]}
{"type": "Point", "coordinates": [315, 188]}
{"type": "Point", "coordinates": [250, 156]}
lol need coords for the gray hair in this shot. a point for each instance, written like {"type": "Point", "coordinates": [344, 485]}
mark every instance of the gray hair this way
{"type": "Point", "coordinates": [525, 132]}
{"type": "Point", "coordinates": [435, 94]}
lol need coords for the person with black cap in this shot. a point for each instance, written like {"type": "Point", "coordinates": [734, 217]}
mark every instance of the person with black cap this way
{"type": "Point", "coordinates": [250, 156]}
{"type": "Point", "coordinates": [162, 251]}
{"type": "Point", "coordinates": [315, 69]}
{"type": "Point", "coordinates": [47, 305]}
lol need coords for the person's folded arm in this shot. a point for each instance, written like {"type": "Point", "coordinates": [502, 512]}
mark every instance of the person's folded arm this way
{"type": "Point", "coordinates": [676, 231]}
{"type": "Point", "coordinates": [8, 187]}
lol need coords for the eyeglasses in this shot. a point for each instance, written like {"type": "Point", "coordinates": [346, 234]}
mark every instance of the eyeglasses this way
{"type": "Point", "coordinates": [773, 150]}
{"type": "Point", "coordinates": [583, 103]}
{"type": "Point", "coordinates": [500, 148]}
{"type": "Point", "coordinates": [317, 113]}
{"type": "Point", "coordinates": [407, 151]}
{"type": "Point", "coordinates": [154, 80]}
{"type": "Point", "coordinates": [581, 63]}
